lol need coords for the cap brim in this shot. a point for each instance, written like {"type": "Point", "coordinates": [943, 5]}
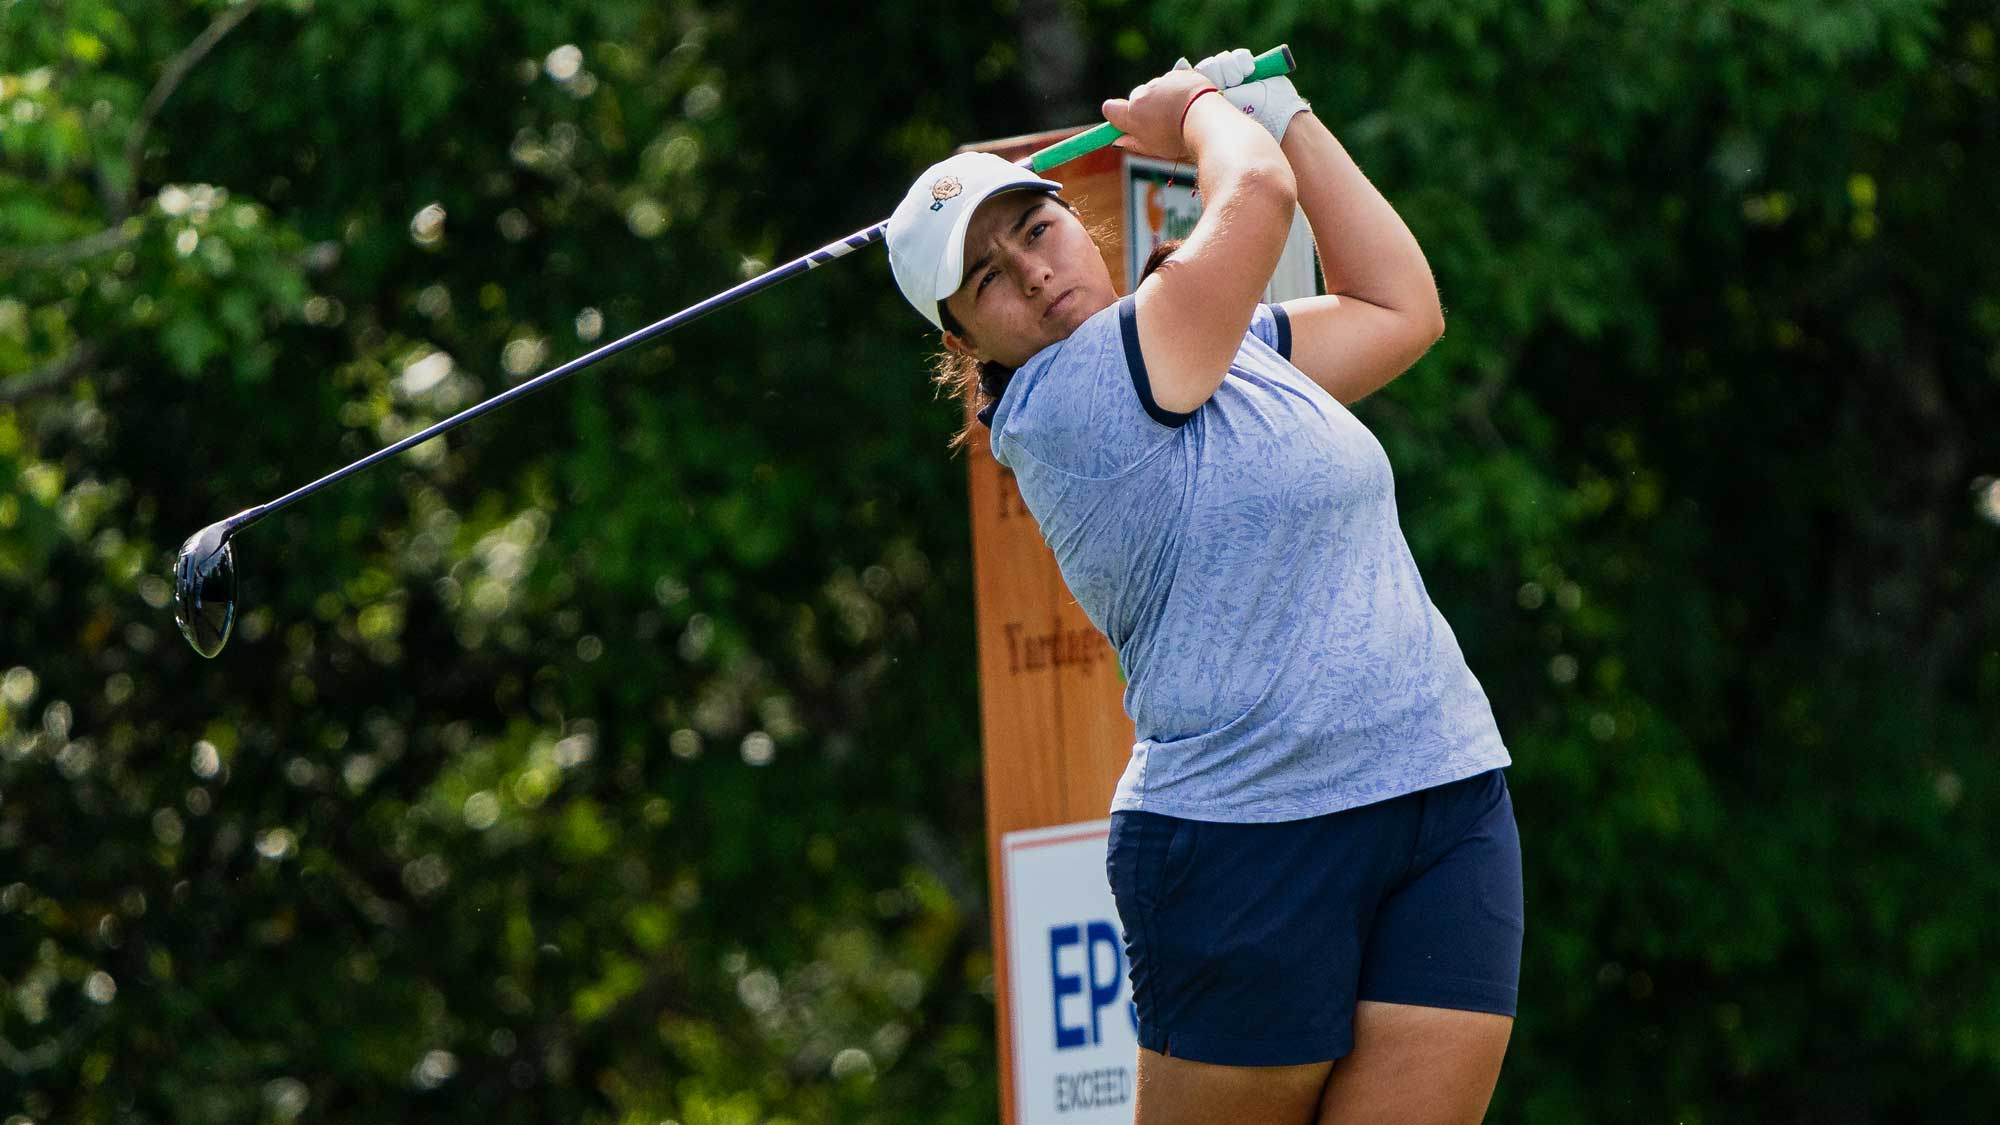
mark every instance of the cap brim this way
{"type": "Point", "coordinates": [951, 270]}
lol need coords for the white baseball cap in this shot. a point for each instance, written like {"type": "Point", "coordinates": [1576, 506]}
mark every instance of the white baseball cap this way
{"type": "Point", "coordinates": [927, 232]}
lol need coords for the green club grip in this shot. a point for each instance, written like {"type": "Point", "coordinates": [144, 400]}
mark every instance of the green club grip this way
{"type": "Point", "coordinates": [1270, 64]}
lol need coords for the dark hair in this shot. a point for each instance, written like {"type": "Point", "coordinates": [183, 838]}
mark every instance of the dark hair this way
{"type": "Point", "coordinates": [989, 376]}
{"type": "Point", "coordinates": [1158, 257]}
{"type": "Point", "coordinates": [980, 383]}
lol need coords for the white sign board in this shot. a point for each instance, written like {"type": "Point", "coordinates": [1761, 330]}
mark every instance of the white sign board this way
{"type": "Point", "coordinates": [1076, 1042]}
{"type": "Point", "coordinates": [1160, 204]}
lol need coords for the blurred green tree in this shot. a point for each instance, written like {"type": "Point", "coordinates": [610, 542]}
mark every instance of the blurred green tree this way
{"type": "Point", "coordinates": [616, 759]}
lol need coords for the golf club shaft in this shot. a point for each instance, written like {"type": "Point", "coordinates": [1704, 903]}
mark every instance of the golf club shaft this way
{"type": "Point", "coordinates": [1276, 61]}
{"type": "Point", "coordinates": [821, 256]}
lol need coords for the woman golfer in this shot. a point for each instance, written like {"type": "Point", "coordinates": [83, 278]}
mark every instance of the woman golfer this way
{"type": "Point", "coordinates": [1312, 849]}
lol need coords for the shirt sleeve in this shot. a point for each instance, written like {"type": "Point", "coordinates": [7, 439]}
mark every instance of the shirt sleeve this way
{"type": "Point", "coordinates": [1088, 409]}
{"type": "Point", "coordinates": [1270, 324]}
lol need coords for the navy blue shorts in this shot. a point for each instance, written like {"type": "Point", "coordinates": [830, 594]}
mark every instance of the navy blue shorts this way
{"type": "Point", "coordinates": [1249, 944]}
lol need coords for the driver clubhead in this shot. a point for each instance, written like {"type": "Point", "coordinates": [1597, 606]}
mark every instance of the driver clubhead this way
{"type": "Point", "coordinates": [205, 588]}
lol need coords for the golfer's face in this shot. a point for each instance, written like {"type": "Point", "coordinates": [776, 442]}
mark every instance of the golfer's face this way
{"type": "Point", "coordinates": [1032, 275]}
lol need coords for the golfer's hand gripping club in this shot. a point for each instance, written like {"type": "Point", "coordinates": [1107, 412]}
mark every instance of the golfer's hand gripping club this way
{"type": "Point", "coordinates": [1271, 64]}
{"type": "Point", "coordinates": [1270, 102]}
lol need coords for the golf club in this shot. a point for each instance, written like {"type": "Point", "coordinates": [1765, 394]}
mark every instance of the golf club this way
{"type": "Point", "coordinates": [205, 569]}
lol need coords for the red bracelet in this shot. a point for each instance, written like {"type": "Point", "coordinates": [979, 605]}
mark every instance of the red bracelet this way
{"type": "Point", "coordinates": [1189, 106]}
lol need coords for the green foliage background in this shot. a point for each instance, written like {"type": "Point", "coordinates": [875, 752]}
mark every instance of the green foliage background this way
{"type": "Point", "coordinates": [615, 759]}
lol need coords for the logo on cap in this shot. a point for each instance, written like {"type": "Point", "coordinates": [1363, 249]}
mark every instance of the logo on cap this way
{"type": "Point", "coordinates": [945, 188]}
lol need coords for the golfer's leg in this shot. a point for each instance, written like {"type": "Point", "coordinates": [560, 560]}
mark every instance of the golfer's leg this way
{"type": "Point", "coordinates": [1414, 1066]}
{"type": "Point", "coordinates": [1244, 942]}
{"type": "Point", "coordinates": [1440, 970]}
{"type": "Point", "coordinates": [1183, 1092]}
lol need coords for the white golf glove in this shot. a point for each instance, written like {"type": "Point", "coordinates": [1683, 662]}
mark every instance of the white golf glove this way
{"type": "Point", "coordinates": [1271, 102]}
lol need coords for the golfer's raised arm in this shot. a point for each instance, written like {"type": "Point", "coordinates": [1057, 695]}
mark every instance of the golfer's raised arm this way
{"type": "Point", "coordinates": [1381, 311]}
{"type": "Point", "coordinates": [1193, 311]}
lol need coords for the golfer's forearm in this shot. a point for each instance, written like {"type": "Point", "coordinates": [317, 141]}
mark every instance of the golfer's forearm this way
{"type": "Point", "coordinates": [1365, 251]}
{"type": "Point", "coordinates": [1237, 163]}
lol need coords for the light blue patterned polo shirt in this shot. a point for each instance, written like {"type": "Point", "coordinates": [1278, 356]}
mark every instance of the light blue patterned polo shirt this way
{"type": "Point", "coordinates": [1282, 657]}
